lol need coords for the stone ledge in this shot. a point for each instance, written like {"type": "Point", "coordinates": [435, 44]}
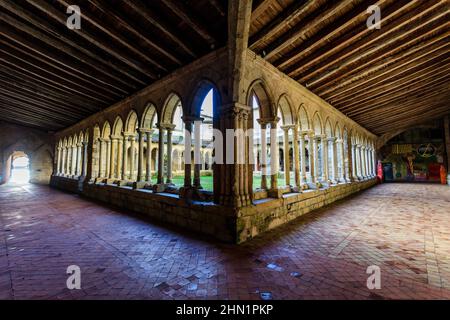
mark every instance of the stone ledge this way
{"type": "Point", "coordinates": [224, 223]}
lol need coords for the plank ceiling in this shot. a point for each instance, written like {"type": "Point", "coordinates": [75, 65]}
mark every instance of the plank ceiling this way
{"type": "Point", "coordinates": [384, 79]}
{"type": "Point", "coordinates": [52, 77]}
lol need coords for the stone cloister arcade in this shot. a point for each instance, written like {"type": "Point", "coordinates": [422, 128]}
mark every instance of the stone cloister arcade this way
{"type": "Point", "coordinates": [131, 153]}
{"type": "Point", "coordinates": [318, 154]}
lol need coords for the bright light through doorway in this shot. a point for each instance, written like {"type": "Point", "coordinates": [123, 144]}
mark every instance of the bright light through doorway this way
{"type": "Point", "coordinates": [20, 172]}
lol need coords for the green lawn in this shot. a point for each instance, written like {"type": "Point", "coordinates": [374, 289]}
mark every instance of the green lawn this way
{"type": "Point", "coordinates": [207, 182]}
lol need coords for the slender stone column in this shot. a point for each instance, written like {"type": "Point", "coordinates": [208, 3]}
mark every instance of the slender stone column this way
{"type": "Point", "coordinates": [197, 158]}
{"type": "Point", "coordinates": [311, 153]}
{"type": "Point", "coordinates": [63, 161]}
{"type": "Point", "coordinates": [58, 163]}
{"type": "Point", "coordinates": [101, 172]}
{"type": "Point", "coordinates": [316, 158]}
{"type": "Point", "coordinates": [141, 136]}
{"type": "Point", "coordinates": [367, 158]}
{"type": "Point", "coordinates": [148, 169]}
{"type": "Point", "coordinates": [113, 167]}
{"type": "Point", "coordinates": [359, 161]}
{"type": "Point", "coordinates": [342, 175]}
{"type": "Point", "coordinates": [84, 159]}
{"type": "Point", "coordinates": [374, 162]}
{"type": "Point", "coordinates": [287, 162]}
{"type": "Point", "coordinates": [133, 156]}
{"type": "Point", "coordinates": [354, 166]}
{"type": "Point", "coordinates": [303, 175]}
{"type": "Point", "coordinates": [274, 155]}
{"type": "Point", "coordinates": [69, 160]}
{"type": "Point", "coordinates": [187, 153]}
{"type": "Point", "coordinates": [119, 158]}
{"type": "Point", "coordinates": [296, 157]}
{"type": "Point", "coordinates": [263, 154]}
{"type": "Point", "coordinates": [108, 157]}
{"type": "Point", "coordinates": [334, 160]}
{"type": "Point", "coordinates": [325, 173]}
{"type": "Point", "coordinates": [125, 157]}
{"type": "Point", "coordinates": [161, 155]}
{"type": "Point", "coordinates": [79, 160]}
{"type": "Point", "coordinates": [364, 161]}
{"type": "Point", "coordinates": [169, 153]}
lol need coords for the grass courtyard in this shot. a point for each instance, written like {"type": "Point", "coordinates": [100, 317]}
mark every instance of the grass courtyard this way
{"type": "Point", "coordinates": [207, 181]}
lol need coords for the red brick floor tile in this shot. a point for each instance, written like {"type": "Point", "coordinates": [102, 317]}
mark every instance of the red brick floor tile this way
{"type": "Point", "coordinates": [402, 228]}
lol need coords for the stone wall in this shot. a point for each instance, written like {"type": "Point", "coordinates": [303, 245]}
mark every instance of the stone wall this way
{"type": "Point", "coordinates": [203, 217]}
{"type": "Point", "coordinates": [37, 145]}
{"type": "Point", "coordinates": [267, 214]}
{"type": "Point", "coordinates": [224, 223]}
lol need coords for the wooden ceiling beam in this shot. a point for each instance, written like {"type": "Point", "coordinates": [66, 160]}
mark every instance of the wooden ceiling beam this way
{"type": "Point", "coordinates": [58, 106]}
{"type": "Point", "coordinates": [402, 105]}
{"type": "Point", "coordinates": [259, 7]}
{"type": "Point", "coordinates": [45, 76]}
{"type": "Point", "coordinates": [30, 121]}
{"type": "Point", "coordinates": [285, 18]}
{"type": "Point", "coordinates": [24, 82]}
{"type": "Point", "coordinates": [345, 24]}
{"type": "Point", "coordinates": [36, 106]}
{"type": "Point", "coordinates": [131, 28]}
{"type": "Point", "coordinates": [413, 122]}
{"type": "Point", "coordinates": [29, 110]}
{"type": "Point", "coordinates": [72, 67]}
{"type": "Point", "coordinates": [185, 14]}
{"type": "Point", "coordinates": [104, 45]}
{"type": "Point", "coordinates": [30, 124]}
{"type": "Point", "coordinates": [326, 12]}
{"type": "Point", "coordinates": [382, 71]}
{"type": "Point", "coordinates": [392, 92]}
{"type": "Point", "coordinates": [395, 123]}
{"type": "Point", "coordinates": [218, 6]}
{"type": "Point", "coordinates": [421, 65]}
{"type": "Point", "coordinates": [165, 28]}
{"type": "Point", "coordinates": [392, 12]}
{"type": "Point", "coordinates": [431, 44]}
{"type": "Point", "coordinates": [56, 71]}
{"type": "Point", "coordinates": [71, 48]}
{"type": "Point", "coordinates": [396, 45]}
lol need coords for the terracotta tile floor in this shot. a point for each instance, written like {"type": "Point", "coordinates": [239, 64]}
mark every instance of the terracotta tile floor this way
{"type": "Point", "coordinates": [402, 228]}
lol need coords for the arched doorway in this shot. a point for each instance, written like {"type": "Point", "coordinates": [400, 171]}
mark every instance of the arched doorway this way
{"type": "Point", "coordinates": [20, 168]}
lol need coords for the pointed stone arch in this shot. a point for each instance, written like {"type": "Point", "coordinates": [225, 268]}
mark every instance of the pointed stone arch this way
{"type": "Point", "coordinates": [149, 117]}
{"type": "Point", "coordinates": [118, 126]}
{"type": "Point", "coordinates": [303, 118]}
{"type": "Point", "coordinates": [132, 122]}
{"type": "Point", "coordinates": [285, 110]}
{"type": "Point", "coordinates": [172, 102]}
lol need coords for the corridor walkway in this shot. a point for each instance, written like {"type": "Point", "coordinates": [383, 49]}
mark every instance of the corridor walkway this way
{"type": "Point", "coordinates": [402, 228]}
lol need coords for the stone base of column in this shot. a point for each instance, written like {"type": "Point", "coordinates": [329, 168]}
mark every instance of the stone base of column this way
{"type": "Point", "coordinates": [110, 181]}
{"type": "Point", "coordinates": [304, 186]}
{"type": "Point", "coordinates": [140, 184]}
{"type": "Point", "coordinates": [332, 182]}
{"type": "Point", "coordinates": [186, 193]}
{"type": "Point", "coordinates": [99, 180]}
{"type": "Point", "coordinates": [275, 193]}
{"type": "Point", "coordinates": [121, 183]}
{"type": "Point", "coordinates": [159, 187]}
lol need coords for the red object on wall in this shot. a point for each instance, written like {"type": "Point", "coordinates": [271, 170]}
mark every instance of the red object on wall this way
{"type": "Point", "coordinates": [380, 172]}
{"type": "Point", "coordinates": [443, 175]}
{"type": "Point", "coordinates": [434, 172]}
